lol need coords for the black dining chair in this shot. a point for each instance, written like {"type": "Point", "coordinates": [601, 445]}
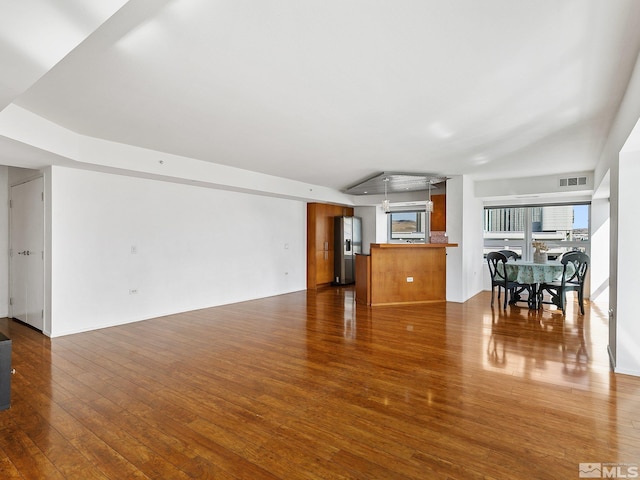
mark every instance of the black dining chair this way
{"type": "Point", "coordinates": [574, 273]}
{"type": "Point", "coordinates": [498, 271]}
{"type": "Point", "coordinates": [516, 293]}
{"type": "Point", "coordinates": [509, 254]}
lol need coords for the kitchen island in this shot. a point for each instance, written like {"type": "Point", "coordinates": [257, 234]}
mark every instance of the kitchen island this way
{"type": "Point", "coordinates": [397, 273]}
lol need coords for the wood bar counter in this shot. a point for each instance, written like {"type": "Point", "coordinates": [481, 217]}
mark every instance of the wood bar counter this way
{"type": "Point", "coordinates": [397, 273]}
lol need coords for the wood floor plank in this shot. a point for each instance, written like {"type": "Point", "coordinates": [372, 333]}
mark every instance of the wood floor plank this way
{"type": "Point", "coordinates": [8, 471]}
{"type": "Point", "coordinates": [310, 385]}
{"type": "Point", "coordinates": [30, 461]}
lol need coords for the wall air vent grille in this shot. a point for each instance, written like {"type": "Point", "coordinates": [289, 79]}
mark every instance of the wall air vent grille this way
{"type": "Point", "coordinates": [573, 181]}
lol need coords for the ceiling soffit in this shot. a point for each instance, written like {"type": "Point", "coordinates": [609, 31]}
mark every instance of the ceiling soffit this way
{"type": "Point", "coordinates": [397, 182]}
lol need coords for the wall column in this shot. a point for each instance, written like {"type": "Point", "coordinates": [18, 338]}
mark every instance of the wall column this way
{"type": "Point", "coordinates": [627, 335]}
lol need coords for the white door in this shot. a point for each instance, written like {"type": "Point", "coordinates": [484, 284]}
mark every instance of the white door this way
{"type": "Point", "coordinates": [27, 252]}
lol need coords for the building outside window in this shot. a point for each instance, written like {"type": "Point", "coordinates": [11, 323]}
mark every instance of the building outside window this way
{"type": "Point", "coordinates": [561, 227]}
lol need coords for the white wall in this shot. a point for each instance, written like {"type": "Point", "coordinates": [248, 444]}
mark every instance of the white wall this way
{"type": "Point", "coordinates": [382, 225]}
{"type": "Point", "coordinates": [473, 238]}
{"type": "Point", "coordinates": [464, 227]}
{"type": "Point", "coordinates": [196, 247]}
{"type": "Point", "coordinates": [532, 187]}
{"type": "Point", "coordinates": [599, 268]}
{"type": "Point", "coordinates": [22, 175]}
{"type": "Point", "coordinates": [369, 226]}
{"type": "Point", "coordinates": [70, 149]}
{"type": "Point", "coordinates": [625, 121]}
{"type": "Point", "coordinates": [613, 260]}
{"type": "Point", "coordinates": [628, 265]}
{"type": "Point", "coordinates": [608, 169]}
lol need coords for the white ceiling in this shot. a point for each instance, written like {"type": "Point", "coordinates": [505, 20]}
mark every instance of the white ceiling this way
{"type": "Point", "coordinates": [332, 92]}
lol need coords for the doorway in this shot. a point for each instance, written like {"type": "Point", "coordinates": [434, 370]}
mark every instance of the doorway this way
{"type": "Point", "coordinates": [26, 252]}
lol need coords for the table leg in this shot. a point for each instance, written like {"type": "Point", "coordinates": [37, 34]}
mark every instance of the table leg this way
{"type": "Point", "coordinates": [533, 297]}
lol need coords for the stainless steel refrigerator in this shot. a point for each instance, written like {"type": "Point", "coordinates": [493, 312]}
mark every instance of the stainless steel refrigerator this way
{"type": "Point", "coordinates": [348, 242]}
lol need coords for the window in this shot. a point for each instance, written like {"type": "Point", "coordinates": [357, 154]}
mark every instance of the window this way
{"type": "Point", "coordinates": [561, 227]}
{"type": "Point", "coordinates": [504, 229]}
{"type": "Point", "coordinates": [407, 226]}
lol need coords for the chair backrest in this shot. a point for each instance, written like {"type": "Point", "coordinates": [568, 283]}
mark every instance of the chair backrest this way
{"type": "Point", "coordinates": [498, 274]}
{"type": "Point", "coordinates": [509, 254]}
{"type": "Point", "coordinates": [580, 263]}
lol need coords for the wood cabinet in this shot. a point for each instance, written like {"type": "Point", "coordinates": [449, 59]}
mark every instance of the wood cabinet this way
{"type": "Point", "coordinates": [320, 233]}
{"type": "Point", "coordinates": [320, 237]}
{"type": "Point", "coordinates": [403, 273]}
{"type": "Point", "coordinates": [439, 214]}
{"type": "Point", "coordinates": [363, 276]}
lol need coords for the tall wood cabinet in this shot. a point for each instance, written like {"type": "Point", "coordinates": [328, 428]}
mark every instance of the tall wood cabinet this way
{"type": "Point", "coordinates": [439, 215]}
{"type": "Point", "coordinates": [320, 231]}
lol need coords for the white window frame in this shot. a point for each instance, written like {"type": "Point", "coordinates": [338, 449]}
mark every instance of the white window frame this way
{"type": "Point", "coordinates": [523, 244]}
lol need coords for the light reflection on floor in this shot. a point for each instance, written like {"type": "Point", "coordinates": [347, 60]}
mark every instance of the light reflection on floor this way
{"type": "Point", "coordinates": [569, 351]}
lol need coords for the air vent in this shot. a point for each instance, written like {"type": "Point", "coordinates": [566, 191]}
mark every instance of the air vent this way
{"type": "Point", "coordinates": [573, 181]}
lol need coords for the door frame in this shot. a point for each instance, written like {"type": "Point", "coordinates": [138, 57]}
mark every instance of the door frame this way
{"type": "Point", "coordinates": [41, 177]}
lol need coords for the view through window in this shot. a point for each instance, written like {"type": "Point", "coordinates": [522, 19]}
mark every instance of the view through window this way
{"type": "Point", "coordinates": [561, 227]}
{"type": "Point", "coordinates": [407, 226]}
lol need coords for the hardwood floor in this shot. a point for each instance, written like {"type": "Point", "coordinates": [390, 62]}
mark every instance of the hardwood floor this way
{"type": "Point", "coordinates": [309, 385]}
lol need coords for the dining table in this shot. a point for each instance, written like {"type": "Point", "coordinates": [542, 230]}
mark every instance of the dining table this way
{"type": "Point", "coordinates": [532, 274]}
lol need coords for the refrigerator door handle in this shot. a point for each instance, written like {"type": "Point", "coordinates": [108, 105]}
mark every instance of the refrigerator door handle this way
{"type": "Point", "coordinates": [348, 245]}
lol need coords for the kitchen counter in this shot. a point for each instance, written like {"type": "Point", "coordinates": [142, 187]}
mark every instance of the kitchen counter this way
{"type": "Point", "coordinates": [398, 273]}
